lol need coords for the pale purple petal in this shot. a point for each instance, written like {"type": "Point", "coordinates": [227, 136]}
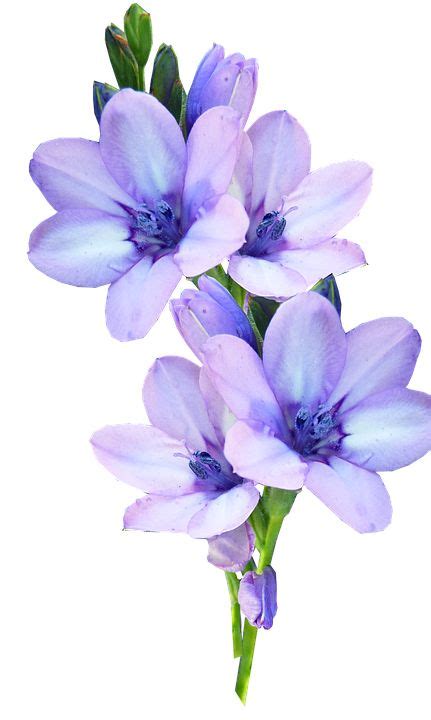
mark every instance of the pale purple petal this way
{"type": "Point", "coordinates": [237, 373]}
{"type": "Point", "coordinates": [244, 91]}
{"type": "Point", "coordinates": [225, 512]}
{"type": "Point", "coordinates": [281, 159]}
{"type": "Point", "coordinates": [219, 230]}
{"type": "Point", "coordinates": [220, 416]}
{"type": "Point", "coordinates": [256, 454]}
{"type": "Point", "coordinates": [358, 497]}
{"type": "Point", "coordinates": [334, 256]}
{"type": "Point", "coordinates": [381, 355]}
{"type": "Point", "coordinates": [257, 596]}
{"type": "Point", "coordinates": [143, 147]}
{"type": "Point", "coordinates": [145, 457]}
{"type": "Point", "coordinates": [174, 402]}
{"type": "Point", "coordinates": [325, 201]}
{"type": "Point", "coordinates": [212, 150]}
{"type": "Point", "coordinates": [135, 302]}
{"type": "Point", "coordinates": [232, 550]}
{"type": "Point", "coordinates": [155, 513]}
{"type": "Point", "coordinates": [242, 180]}
{"type": "Point", "coordinates": [304, 351]}
{"type": "Point", "coordinates": [71, 174]}
{"type": "Point", "coordinates": [388, 430]}
{"type": "Point", "coordinates": [206, 68]}
{"type": "Point", "coordinates": [83, 247]}
{"type": "Point", "coordinates": [265, 278]}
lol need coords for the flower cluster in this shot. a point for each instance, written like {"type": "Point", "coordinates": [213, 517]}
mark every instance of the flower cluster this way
{"type": "Point", "coordinates": [282, 398]}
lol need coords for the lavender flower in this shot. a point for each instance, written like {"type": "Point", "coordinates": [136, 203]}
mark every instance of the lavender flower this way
{"type": "Point", "coordinates": [209, 311]}
{"type": "Point", "coordinates": [222, 81]}
{"type": "Point", "coordinates": [257, 596]}
{"type": "Point", "coordinates": [139, 208]}
{"type": "Point", "coordinates": [232, 550]}
{"type": "Point", "coordinates": [337, 401]}
{"type": "Point", "coordinates": [294, 214]}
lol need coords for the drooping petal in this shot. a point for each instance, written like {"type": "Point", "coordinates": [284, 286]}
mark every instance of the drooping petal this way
{"type": "Point", "coordinates": [237, 373]}
{"type": "Point", "coordinates": [281, 159]}
{"type": "Point", "coordinates": [212, 151]}
{"type": "Point", "coordinates": [225, 512]}
{"type": "Point", "coordinates": [155, 513]}
{"type": "Point", "coordinates": [145, 457]}
{"type": "Point", "coordinates": [135, 302]}
{"type": "Point", "coordinates": [242, 180]}
{"type": "Point", "coordinates": [334, 256]}
{"type": "Point", "coordinates": [381, 355]}
{"type": "Point", "coordinates": [71, 174]}
{"type": "Point", "coordinates": [220, 416]}
{"type": "Point", "coordinates": [358, 497]}
{"type": "Point", "coordinates": [325, 201]}
{"type": "Point", "coordinates": [232, 550]}
{"type": "Point", "coordinates": [143, 148]}
{"type": "Point", "coordinates": [256, 454]}
{"type": "Point", "coordinates": [265, 278]}
{"type": "Point", "coordinates": [304, 351]}
{"type": "Point", "coordinates": [257, 596]}
{"type": "Point", "coordinates": [387, 430]}
{"type": "Point", "coordinates": [87, 247]}
{"type": "Point", "coordinates": [206, 68]}
{"type": "Point", "coordinates": [174, 402]}
{"type": "Point", "coordinates": [219, 230]}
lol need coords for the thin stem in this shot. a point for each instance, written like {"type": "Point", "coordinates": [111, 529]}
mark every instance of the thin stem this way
{"type": "Point", "coordinates": [244, 669]}
{"type": "Point", "coordinates": [233, 584]}
{"type": "Point", "coordinates": [274, 527]}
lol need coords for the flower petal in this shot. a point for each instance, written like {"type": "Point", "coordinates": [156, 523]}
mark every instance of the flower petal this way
{"type": "Point", "coordinates": [358, 497]}
{"type": "Point", "coordinates": [281, 159]}
{"type": "Point", "coordinates": [381, 355]}
{"type": "Point", "coordinates": [265, 278]}
{"type": "Point", "coordinates": [174, 402]}
{"type": "Point", "coordinates": [257, 596]}
{"type": "Point", "coordinates": [84, 247]}
{"type": "Point", "coordinates": [135, 301]}
{"type": "Point", "coordinates": [256, 454]}
{"type": "Point", "coordinates": [143, 147]}
{"type": "Point", "coordinates": [225, 512]}
{"type": "Point", "coordinates": [155, 513]}
{"type": "Point", "coordinates": [71, 174]}
{"type": "Point", "coordinates": [388, 430]}
{"type": "Point", "coordinates": [232, 550]}
{"type": "Point", "coordinates": [334, 256]}
{"type": "Point", "coordinates": [304, 351]}
{"type": "Point", "coordinates": [217, 232]}
{"type": "Point", "coordinates": [145, 457]}
{"type": "Point", "coordinates": [220, 416]}
{"type": "Point", "coordinates": [325, 201]}
{"type": "Point", "coordinates": [242, 180]}
{"type": "Point", "coordinates": [212, 151]}
{"type": "Point", "coordinates": [237, 373]}
{"type": "Point", "coordinates": [206, 68]}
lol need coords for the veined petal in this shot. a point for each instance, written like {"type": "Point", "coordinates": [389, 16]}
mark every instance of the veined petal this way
{"type": "Point", "coordinates": [220, 416]}
{"type": "Point", "coordinates": [135, 302]}
{"type": "Point", "coordinates": [304, 351]}
{"type": "Point", "coordinates": [219, 230]}
{"type": "Point", "coordinates": [325, 201]}
{"type": "Point", "coordinates": [71, 174]}
{"type": "Point", "coordinates": [242, 180]}
{"type": "Point", "coordinates": [358, 497]}
{"type": "Point", "coordinates": [256, 454]}
{"type": "Point", "coordinates": [232, 550]}
{"type": "Point", "coordinates": [143, 148]}
{"type": "Point", "coordinates": [225, 512]}
{"type": "Point", "coordinates": [387, 430]}
{"type": "Point", "coordinates": [265, 278]}
{"type": "Point", "coordinates": [84, 247]}
{"type": "Point", "coordinates": [145, 457]}
{"type": "Point", "coordinates": [155, 513]}
{"type": "Point", "coordinates": [334, 256]}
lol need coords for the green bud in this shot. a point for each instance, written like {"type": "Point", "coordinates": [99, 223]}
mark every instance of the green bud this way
{"type": "Point", "coordinates": [260, 313]}
{"type": "Point", "coordinates": [137, 26]}
{"type": "Point", "coordinates": [329, 289]}
{"type": "Point", "coordinates": [166, 85]}
{"type": "Point", "coordinates": [102, 92]}
{"type": "Point", "coordinates": [122, 59]}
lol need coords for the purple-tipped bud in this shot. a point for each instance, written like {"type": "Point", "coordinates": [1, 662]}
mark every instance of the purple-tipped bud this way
{"type": "Point", "coordinates": [222, 81]}
{"type": "Point", "coordinates": [232, 550]}
{"type": "Point", "coordinates": [257, 596]}
{"type": "Point", "coordinates": [209, 311]}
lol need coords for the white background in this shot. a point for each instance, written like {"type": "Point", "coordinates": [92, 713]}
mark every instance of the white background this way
{"type": "Point", "coordinates": [102, 624]}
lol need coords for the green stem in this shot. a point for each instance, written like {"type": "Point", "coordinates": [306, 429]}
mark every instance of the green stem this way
{"type": "Point", "coordinates": [233, 584]}
{"type": "Point", "coordinates": [274, 527]}
{"type": "Point", "coordinates": [244, 669]}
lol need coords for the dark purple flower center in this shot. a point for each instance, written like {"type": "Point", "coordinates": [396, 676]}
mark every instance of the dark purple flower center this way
{"type": "Point", "coordinates": [209, 471]}
{"type": "Point", "coordinates": [155, 230]}
{"type": "Point", "coordinates": [316, 433]}
{"type": "Point", "coordinates": [269, 230]}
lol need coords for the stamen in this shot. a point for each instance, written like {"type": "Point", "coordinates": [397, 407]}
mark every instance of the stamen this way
{"type": "Point", "coordinates": [155, 229]}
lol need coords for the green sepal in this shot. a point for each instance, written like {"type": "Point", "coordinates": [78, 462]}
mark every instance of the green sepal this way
{"type": "Point", "coordinates": [122, 59]}
{"type": "Point", "coordinates": [277, 503]}
{"type": "Point", "coordinates": [102, 93]}
{"type": "Point", "coordinates": [166, 85]}
{"type": "Point", "coordinates": [139, 33]}
{"type": "Point", "coordinates": [328, 288]}
{"type": "Point", "coordinates": [260, 313]}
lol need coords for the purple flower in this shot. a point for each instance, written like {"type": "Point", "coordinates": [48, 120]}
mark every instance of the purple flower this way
{"type": "Point", "coordinates": [338, 401]}
{"type": "Point", "coordinates": [257, 596]}
{"type": "Point", "coordinates": [209, 311]}
{"type": "Point", "coordinates": [222, 81]}
{"type": "Point", "coordinates": [140, 207]}
{"type": "Point", "coordinates": [179, 463]}
{"type": "Point", "coordinates": [294, 214]}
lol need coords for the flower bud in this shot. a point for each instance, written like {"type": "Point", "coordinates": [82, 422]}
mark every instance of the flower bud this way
{"type": "Point", "coordinates": [329, 289]}
{"type": "Point", "coordinates": [166, 85]}
{"type": "Point", "coordinates": [209, 311]}
{"type": "Point", "coordinates": [122, 59]}
{"type": "Point", "coordinates": [137, 26]}
{"type": "Point", "coordinates": [222, 81]}
{"type": "Point", "coordinates": [257, 596]}
{"type": "Point", "coordinates": [232, 550]}
{"type": "Point", "coordinates": [102, 92]}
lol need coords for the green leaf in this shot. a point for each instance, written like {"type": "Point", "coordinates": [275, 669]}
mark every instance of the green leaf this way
{"type": "Point", "coordinates": [328, 288]}
{"type": "Point", "coordinates": [137, 26]}
{"type": "Point", "coordinates": [122, 59]}
{"type": "Point", "coordinates": [102, 92]}
{"type": "Point", "coordinates": [166, 85]}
